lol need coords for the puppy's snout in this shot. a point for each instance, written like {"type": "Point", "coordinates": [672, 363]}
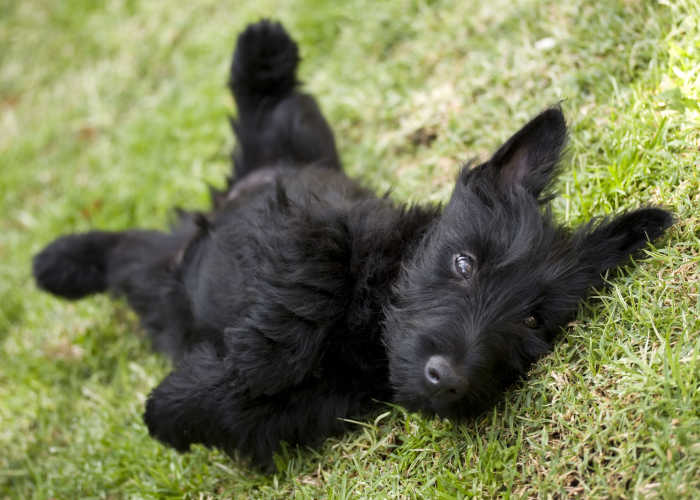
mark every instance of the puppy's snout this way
{"type": "Point", "coordinates": [442, 377]}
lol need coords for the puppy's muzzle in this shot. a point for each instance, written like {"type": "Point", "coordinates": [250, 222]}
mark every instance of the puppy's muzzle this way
{"type": "Point", "coordinates": [443, 381]}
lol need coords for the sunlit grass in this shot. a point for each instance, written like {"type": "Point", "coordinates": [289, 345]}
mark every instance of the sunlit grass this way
{"type": "Point", "coordinates": [113, 112]}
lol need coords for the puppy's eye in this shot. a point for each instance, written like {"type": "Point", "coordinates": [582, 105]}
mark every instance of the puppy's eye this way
{"type": "Point", "coordinates": [464, 264]}
{"type": "Point", "coordinates": [531, 321]}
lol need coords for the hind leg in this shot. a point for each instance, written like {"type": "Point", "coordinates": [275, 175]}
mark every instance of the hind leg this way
{"type": "Point", "coordinates": [277, 125]}
{"type": "Point", "coordinates": [139, 265]}
{"type": "Point", "coordinates": [75, 265]}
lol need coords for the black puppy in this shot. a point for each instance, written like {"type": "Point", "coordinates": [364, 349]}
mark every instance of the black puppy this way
{"type": "Point", "coordinates": [302, 297]}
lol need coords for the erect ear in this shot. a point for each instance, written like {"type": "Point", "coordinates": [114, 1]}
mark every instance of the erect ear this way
{"type": "Point", "coordinates": [529, 158]}
{"type": "Point", "coordinates": [611, 243]}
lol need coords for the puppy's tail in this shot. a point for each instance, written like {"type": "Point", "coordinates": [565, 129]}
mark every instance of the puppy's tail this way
{"type": "Point", "coordinates": [264, 66]}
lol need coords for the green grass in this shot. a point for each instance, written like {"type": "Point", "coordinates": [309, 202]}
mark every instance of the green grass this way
{"type": "Point", "coordinates": [113, 112]}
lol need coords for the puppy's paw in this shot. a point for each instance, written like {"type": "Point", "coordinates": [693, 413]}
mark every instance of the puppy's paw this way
{"type": "Point", "coordinates": [159, 419]}
{"type": "Point", "coordinates": [265, 60]}
{"type": "Point", "coordinates": [75, 265]}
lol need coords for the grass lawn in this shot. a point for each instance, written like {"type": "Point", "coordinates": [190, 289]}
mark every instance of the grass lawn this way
{"type": "Point", "coordinates": [112, 112]}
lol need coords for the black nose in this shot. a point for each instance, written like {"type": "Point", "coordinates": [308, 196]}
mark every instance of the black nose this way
{"type": "Point", "coordinates": [443, 379]}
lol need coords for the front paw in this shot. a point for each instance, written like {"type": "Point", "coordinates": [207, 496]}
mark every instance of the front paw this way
{"type": "Point", "coordinates": [162, 424]}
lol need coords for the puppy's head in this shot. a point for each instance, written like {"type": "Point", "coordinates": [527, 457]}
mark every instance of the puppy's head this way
{"type": "Point", "coordinates": [495, 278]}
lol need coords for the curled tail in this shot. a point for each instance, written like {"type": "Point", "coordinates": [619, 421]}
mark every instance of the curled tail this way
{"type": "Point", "coordinates": [277, 124]}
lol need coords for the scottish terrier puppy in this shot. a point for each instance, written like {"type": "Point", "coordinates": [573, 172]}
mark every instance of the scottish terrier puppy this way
{"type": "Point", "coordinates": [302, 298]}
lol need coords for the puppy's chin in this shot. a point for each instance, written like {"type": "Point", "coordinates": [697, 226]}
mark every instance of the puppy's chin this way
{"type": "Point", "coordinates": [422, 403]}
{"type": "Point", "coordinates": [464, 408]}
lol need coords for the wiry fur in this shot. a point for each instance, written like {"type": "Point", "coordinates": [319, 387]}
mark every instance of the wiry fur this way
{"type": "Point", "coordinates": [303, 298]}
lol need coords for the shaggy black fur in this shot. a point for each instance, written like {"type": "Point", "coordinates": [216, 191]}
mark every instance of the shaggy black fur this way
{"type": "Point", "coordinates": [303, 298]}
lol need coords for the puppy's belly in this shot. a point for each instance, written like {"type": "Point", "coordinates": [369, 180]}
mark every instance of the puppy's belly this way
{"type": "Point", "coordinates": [253, 182]}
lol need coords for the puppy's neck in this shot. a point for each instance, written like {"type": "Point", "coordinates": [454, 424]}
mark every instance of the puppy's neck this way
{"type": "Point", "coordinates": [384, 236]}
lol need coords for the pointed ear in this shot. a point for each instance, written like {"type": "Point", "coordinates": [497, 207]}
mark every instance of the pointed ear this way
{"type": "Point", "coordinates": [530, 157]}
{"type": "Point", "coordinates": [611, 243]}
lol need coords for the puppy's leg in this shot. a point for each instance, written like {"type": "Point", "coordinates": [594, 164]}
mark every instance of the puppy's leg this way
{"type": "Point", "coordinates": [135, 264]}
{"type": "Point", "coordinates": [204, 401]}
{"type": "Point", "coordinates": [76, 265]}
{"type": "Point", "coordinates": [277, 125]}
{"type": "Point", "coordinates": [264, 66]}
